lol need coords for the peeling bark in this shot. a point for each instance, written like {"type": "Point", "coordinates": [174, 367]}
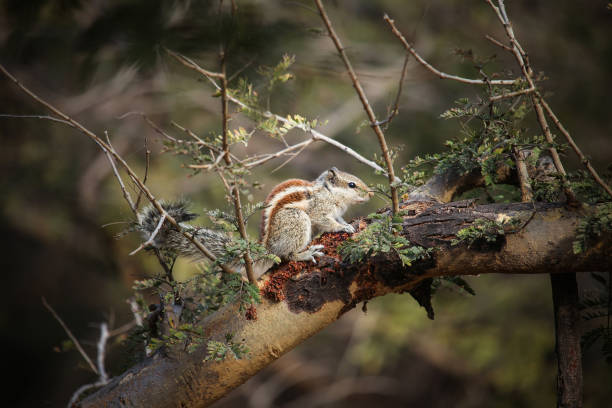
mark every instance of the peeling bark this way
{"type": "Point", "coordinates": [302, 298]}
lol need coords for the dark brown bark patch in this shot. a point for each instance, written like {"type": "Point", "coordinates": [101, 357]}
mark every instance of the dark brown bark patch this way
{"type": "Point", "coordinates": [309, 292]}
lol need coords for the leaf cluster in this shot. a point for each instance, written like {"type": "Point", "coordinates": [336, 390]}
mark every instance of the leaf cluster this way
{"type": "Point", "coordinates": [382, 236]}
{"type": "Point", "coordinates": [483, 232]}
{"type": "Point", "coordinates": [593, 226]}
{"type": "Point", "coordinates": [452, 281]}
{"type": "Point", "coordinates": [185, 304]}
{"type": "Point", "coordinates": [220, 350]}
{"type": "Point", "coordinates": [489, 131]}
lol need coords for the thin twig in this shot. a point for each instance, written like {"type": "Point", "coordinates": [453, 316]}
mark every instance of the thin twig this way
{"type": "Point", "coordinates": [191, 64]}
{"type": "Point", "coordinates": [122, 329]}
{"type": "Point", "coordinates": [512, 94]}
{"type": "Point", "coordinates": [103, 376]}
{"type": "Point", "coordinates": [268, 157]}
{"type": "Point", "coordinates": [400, 87]}
{"type": "Point", "coordinates": [151, 239]}
{"type": "Point", "coordinates": [435, 71]}
{"type": "Point", "coordinates": [196, 137]}
{"type": "Point", "coordinates": [126, 193]}
{"type": "Point", "coordinates": [45, 117]}
{"type": "Point", "coordinates": [77, 394]}
{"type": "Point", "coordinates": [146, 172]}
{"type": "Point", "coordinates": [498, 43]}
{"type": "Point", "coordinates": [71, 336]}
{"type": "Point", "coordinates": [104, 335]}
{"type": "Point", "coordinates": [523, 174]}
{"type": "Point", "coordinates": [395, 109]}
{"type": "Point", "coordinates": [575, 147]}
{"type": "Point", "coordinates": [167, 268]}
{"type": "Point", "coordinates": [215, 163]}
{"type": "Point", "coordinates": [199, 140]}
{"type": "Point", "coordinates": [244, 67]}
{"type": "Point", "coordinates": [235, 191]}
{"type": "Point", "coordinates": [135, 309]}
{"type": "Point", "coordinates": [366, 105]}
{"type": "Point", "coordinates": [152, 124]}
{"type": "Point", "coordinates": [292, 156]}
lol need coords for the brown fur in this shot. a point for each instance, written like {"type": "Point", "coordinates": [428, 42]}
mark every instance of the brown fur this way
{"type": "Point", "coordinates": [288, 199]}
{"type": "Point", "coordinates": [276, 190]}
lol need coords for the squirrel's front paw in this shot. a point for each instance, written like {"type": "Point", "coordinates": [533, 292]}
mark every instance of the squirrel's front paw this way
{"type": "Point", "coordinates": [348, 228]}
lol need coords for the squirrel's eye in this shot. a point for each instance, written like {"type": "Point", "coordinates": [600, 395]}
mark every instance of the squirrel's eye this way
{"type": "Point", "coordinates": [352, 185]}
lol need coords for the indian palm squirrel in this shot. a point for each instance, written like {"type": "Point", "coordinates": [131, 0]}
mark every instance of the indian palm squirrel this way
{"type": "Point", "coordinates": [293, 211]}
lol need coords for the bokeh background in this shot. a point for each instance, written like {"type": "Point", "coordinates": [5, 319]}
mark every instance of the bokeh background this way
{"type": "Point", "coordinates": [99, 59]}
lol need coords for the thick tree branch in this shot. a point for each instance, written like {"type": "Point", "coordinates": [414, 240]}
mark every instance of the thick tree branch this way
{"type": "Point", "coordinates": [303, 298]}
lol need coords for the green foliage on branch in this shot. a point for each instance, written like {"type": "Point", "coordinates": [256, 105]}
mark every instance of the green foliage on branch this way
{"type": "Point", "coordinates": [483, 231]}
{"type": "Point", "coordinates": [382, 236]}
{"type": "Point", "coordinates": [593, 226]}
{"type": "Point", "coordinates": [219, 351]}
{"type": "Point", "coordinates": [185, 304]}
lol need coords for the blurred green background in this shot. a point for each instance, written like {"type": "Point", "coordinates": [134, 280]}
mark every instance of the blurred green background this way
{"type": "Point", "coordinates": [98, 60]}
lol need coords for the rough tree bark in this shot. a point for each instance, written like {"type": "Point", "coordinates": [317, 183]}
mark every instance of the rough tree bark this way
{"type": "Point", "coordinates": [302, 298]}
{"type": "Point", "coordinates": [567, 340]}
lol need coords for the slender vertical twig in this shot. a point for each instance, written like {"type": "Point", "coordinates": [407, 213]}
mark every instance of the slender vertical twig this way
{"type": "Point", "coordinates": [400, 86]}
{"type": "Point", "coordinates": [523, 174]}
{"type": "Point", "coordinates": [146, 171]}
{"type": "Point", "coordinates": [104, 335]}
{"type": "Point", "coordinates": [126, 193]}
{"type": "Point", "coordinates": [366, 105]}
{"type": "Point", "coordinates": [235, 191]}
{"type": "Point", "coordinates": [585, 161]}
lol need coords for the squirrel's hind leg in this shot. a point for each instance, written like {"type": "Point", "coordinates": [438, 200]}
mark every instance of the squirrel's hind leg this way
{"type": "Point", "coordinates": [290, 234]}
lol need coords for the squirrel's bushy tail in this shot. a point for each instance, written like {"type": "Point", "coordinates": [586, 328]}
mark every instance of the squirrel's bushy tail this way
{"type": "Point", "coordinates": [169, 238]}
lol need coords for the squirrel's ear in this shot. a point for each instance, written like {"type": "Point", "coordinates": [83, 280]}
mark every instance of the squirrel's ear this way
{"type": "Point", "coordinates": [332, 174]}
